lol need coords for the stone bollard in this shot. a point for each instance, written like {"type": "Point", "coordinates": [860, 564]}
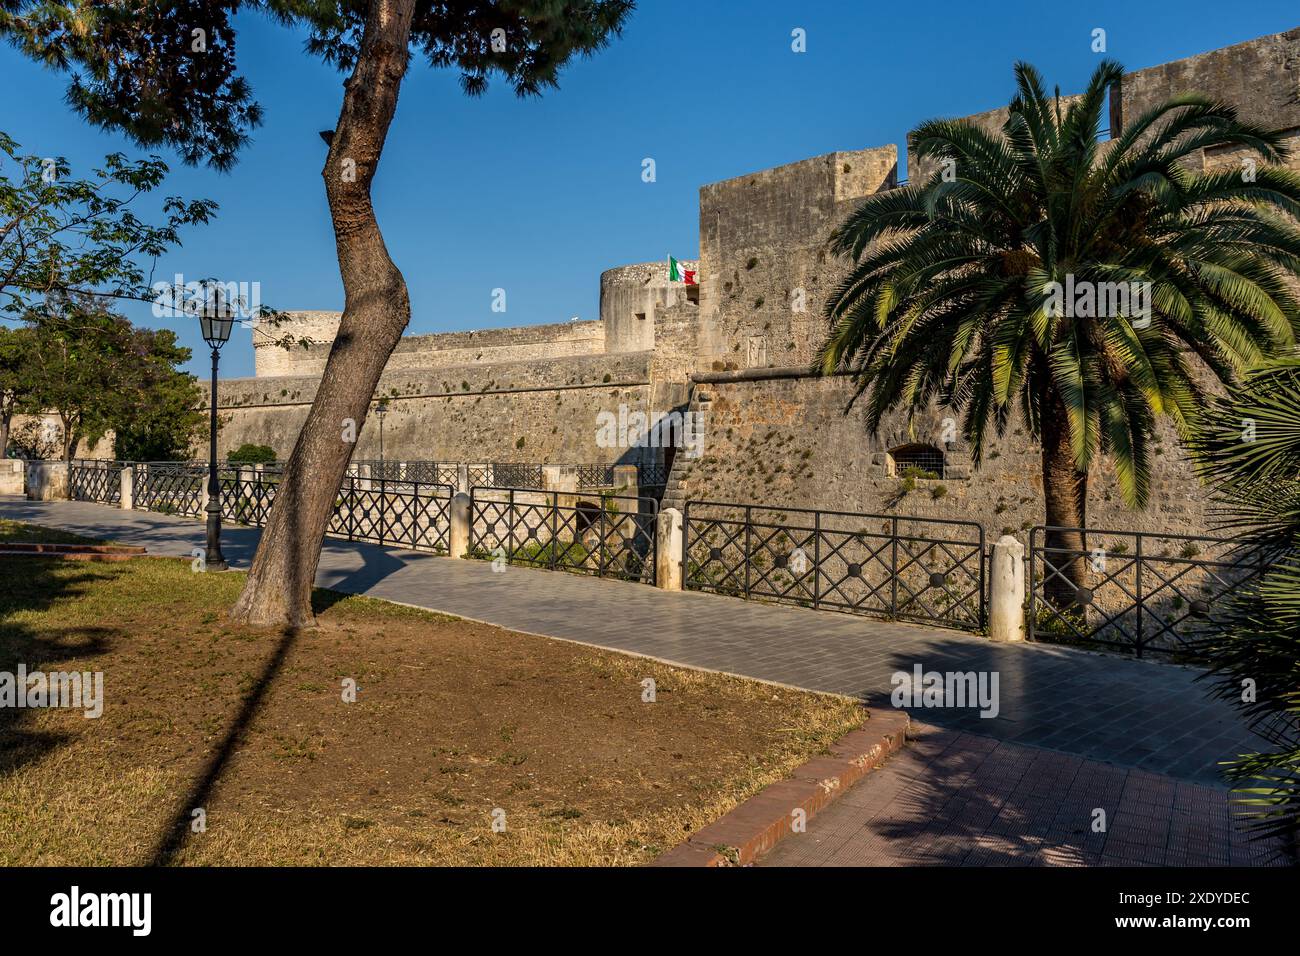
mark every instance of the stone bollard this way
{"type": "Point", "coordinates": [625, 480]}
{"type": "Point", "coordinates": [1007, 590]}
{"type": "Point", "coordinates": [668, 550]}
{"type": "Point", "coordinates": [560, 478]}
{"type": "Point", "coordinates": [127, 501]}
{"type": "Point", "coordinates": [47, 480]}
{"type": "Point", "coordinates": [458, 536]}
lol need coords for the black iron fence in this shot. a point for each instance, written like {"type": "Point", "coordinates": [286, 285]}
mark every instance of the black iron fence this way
{"type": "Point", "coordinates": [406, 514]}
{"type": "Point", "coordinates": [94, 480]}
{"type": "Point", "coordinates": [603, 535]}
{"type": "Point", "coordinates": [595, 476]}
{"type": "Point", "coordinates": [1140, 591]}
{"type": "Point", "coordinates": [651, 475]}
{"type": "Point", "coordinates": [929, 570]}
{"type": "Point", "coordinates": [511, 475]}
{"type": "Point", "coordinates": [419, 471]}
{"type": "Point", "coordinates": [170, 487]}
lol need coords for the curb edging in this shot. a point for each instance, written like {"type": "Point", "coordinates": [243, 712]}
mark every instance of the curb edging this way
{"type": "Point", "coordinates": [751, 829]}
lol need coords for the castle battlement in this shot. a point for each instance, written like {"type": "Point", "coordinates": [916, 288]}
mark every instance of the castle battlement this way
{"type": "Point", "coordinates": [735, 347]}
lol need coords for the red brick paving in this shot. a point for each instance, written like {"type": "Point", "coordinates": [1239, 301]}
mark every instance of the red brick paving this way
{"type": "Point", "coordinates": [959, 799]}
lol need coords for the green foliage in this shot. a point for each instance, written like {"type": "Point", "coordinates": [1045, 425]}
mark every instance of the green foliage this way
{"type": "Point", "coordinates": [1250, 450]}
{"type": "Point", "coordinates": [16, 347]}
{"type": "Point", "coordinates": [948, 298]}
{"type": "Point", "coordinates": [134, 67]}
{"type": "Point", "coordinates": [62, 237]}
{"type": "Point", "coordinates": [914, 471]}
{"type": "Point", "coordinates": [97, 372]}
{"type": "Point", "coordinates": [249, 454]}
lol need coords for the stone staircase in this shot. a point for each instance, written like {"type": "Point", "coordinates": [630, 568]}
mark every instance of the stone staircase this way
{"type": "Point", "coordinates": [674, 490]}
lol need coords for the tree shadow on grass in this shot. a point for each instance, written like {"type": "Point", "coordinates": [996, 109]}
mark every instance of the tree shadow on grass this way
{"type": "Point", "coordinates": [174, 835]}
{"type": "Point", "coordinates": [34, 586]}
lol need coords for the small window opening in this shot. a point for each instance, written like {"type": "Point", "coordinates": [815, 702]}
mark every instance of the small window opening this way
{"type": "Point", "coordinates": [918, 461]}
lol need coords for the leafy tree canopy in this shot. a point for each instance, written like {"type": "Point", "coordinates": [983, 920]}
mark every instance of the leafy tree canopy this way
{"type": "Point", "coordinates": [97, 373]}
{"type": "Point", "coordinates": [62, 237]}
{"type": "Point", "coordinates": [166, 72]}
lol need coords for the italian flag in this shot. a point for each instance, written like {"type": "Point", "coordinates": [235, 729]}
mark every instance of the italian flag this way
{"type": "Point", "coordinates": [678, 274]}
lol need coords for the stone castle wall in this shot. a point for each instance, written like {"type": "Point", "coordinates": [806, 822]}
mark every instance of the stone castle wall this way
{"type": "Point", "coordinates": [789, 442]}
{"type": "Point", "coordinates": [534, 393]}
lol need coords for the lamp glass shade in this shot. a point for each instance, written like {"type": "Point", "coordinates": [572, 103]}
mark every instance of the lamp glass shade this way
{"type": "Point", "coordinates": [381, 409]}
{"type": "Point", "coordinates": [216, 328]}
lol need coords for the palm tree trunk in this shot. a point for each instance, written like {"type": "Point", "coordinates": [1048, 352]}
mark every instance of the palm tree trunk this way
{"type": "Point", "coordinates": [1065, 496]}
{"type": "Point", "coordinates": [376, 311]}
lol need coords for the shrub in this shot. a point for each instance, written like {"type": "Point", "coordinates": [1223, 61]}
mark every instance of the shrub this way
{"type": "Point", "coordinates": [247, 454]}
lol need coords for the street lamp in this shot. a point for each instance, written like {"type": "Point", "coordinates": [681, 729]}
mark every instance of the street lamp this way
{"type": "Point", "coordinates": [381, 410]}
{"type": "Point", "coordinates": [216, 322]}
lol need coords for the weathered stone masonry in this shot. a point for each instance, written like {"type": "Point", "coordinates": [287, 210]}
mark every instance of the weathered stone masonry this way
{"type": "Point", "coordinates": [737, 350]}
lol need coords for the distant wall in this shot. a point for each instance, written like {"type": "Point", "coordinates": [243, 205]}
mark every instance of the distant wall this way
{"type": "Point", "coordinates": [764, 269]}
{"type": "Point", "coordinates": [516, 411]}
{"type": "Point", "coordinates": [789, 442]}
{"type": "Point", "coordinates": [765, 272]}
{"type": "Point", "coordinates": [424, 351]}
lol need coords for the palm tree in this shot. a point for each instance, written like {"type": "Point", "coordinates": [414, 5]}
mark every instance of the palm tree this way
{"type": "Point", "coordinates": [1250, 450]}
{"type": "Point", "coordinates": [950, 295]}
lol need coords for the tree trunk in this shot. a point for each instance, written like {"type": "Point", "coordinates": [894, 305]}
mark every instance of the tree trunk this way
{"type": "Point", "coordinates": [6, 416]}
{"type": "Point", "coordinates": [375, 312]}
{"type": "Point", "coordinates": [1065, 494]}
{"type": "Point", "coordinates": [69, 441]}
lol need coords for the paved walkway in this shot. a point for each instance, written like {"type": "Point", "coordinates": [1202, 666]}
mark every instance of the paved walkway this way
{"type": "Point", "coordinates": [1136, 714]}
{"type": "Point", "coordinates": [957, 799]}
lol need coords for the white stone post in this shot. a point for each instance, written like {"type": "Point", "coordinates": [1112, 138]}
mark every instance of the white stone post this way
{"type": "Point", "coordinates": [563, 478]}
{"type": "Point", "coordinates": [626, 481]}
{"type": "Point", "coordinates": [127, 501]}
{"type": "Point", "coordinates": [458, 537]}
{"type": "Point", "coordinates": [668, 550]}
{"type": "Point", "coordinates": [1007, 590]}
{"type": "Point", "coordinates": [47, 480]}
{"type": "Point", "coordinates": [462, 478]}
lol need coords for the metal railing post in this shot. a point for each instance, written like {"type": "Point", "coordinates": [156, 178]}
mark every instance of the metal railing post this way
{"type": "Point", "coordinates": [748, 530]}
{"type": "Point", "coordinates": [1138, 591]}
{"type": "Point", "coordinates": [893, 567]}
{"type": "Point", "coordinates": [513, 519]}
{"type": "Point", "coordinates": [984, 607]}
{"type": "Point", "coordinates": [817, 559]}
{"type": "Point", "coordinates": [555, 528]}
{"type": "Point", "coordinates": [686, 544]}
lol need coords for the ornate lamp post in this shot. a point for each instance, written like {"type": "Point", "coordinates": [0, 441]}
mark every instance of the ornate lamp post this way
{"type": "Point", "coordinates": [216, 323]}
{"type": "Point", "coordinates": [381, 410]}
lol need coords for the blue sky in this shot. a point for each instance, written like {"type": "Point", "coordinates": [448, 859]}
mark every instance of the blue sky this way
{"type": "Point", "coordinates": [539, 196]}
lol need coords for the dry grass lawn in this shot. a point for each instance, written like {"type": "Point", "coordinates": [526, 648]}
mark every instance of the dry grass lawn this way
{"type": "Point", "coordinates": [452, 721]}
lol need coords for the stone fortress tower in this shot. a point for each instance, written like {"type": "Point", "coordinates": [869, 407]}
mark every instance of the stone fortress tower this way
{"type": "Point", "coordinates": [737, 349]}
